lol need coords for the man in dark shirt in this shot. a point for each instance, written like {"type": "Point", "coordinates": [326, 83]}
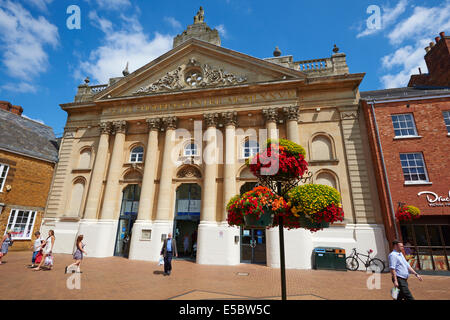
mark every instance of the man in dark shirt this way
{"type": "Point", "coordinates": [169, 250]}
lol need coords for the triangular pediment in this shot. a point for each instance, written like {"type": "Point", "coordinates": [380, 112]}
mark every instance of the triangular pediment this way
{"type": "Point", "coordinates": [197, 65]}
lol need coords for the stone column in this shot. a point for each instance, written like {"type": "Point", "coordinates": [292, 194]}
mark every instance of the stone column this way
{"type": "Point", "coordinates": [271, 118]}
{"type": "Point", "coordinates": [115, 169]}
{"type": "Point", "coordinates": [98, 173]}
{"type": "Point", "coordinates": [148, 180]}
{"type": "Point", "coordinates": [292, 116]}
{"type": "Point", "coordinates": [210, 158]}
{"type": "Point", "coordinates": [165, 184]}
{"type": "Point", "coordinates": [229, 170]}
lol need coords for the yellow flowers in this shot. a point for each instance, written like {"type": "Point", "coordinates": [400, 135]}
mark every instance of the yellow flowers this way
{"type": "Point", "coordinates": [312, 198]}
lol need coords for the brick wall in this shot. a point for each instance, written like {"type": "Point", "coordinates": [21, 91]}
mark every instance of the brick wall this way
{"type": "Point", "coordinates": [30, 181]}
{"type": "Point", "coordinates": [434, 144]}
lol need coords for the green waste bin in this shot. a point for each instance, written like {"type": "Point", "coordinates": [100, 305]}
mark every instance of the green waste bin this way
{"type": "Point", "coordinates": [329, 258]}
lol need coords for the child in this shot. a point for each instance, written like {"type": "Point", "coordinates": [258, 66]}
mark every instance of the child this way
{"type": "Point", "coordinates": [36, 248]}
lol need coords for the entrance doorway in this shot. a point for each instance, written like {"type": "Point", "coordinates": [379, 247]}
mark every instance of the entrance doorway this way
{"type": "Point", "coordinates": [128, 215]}
{"type": "Point", "coordinates": [187, 219]}
{"type": "Point", "coordinates": [253, 241]}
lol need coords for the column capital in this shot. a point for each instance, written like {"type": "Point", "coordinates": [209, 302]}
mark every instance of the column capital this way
{"type": "Point", "coordinates": [153, 123]}
{"type": "Point", "coordinates": [169, 122]}
{"type": "Point", "coordinates": [105, 127]}
{"type": "Point", "coordinates": [270, 114]}
{"type": "Point", "coordinates": [119, 126]}
{"type": "Point", "coordinates": [230, 118]}
{"type": "Point", "coordinates": [292, 113]}
{"type": "Point", "coordinates": [211, 119]}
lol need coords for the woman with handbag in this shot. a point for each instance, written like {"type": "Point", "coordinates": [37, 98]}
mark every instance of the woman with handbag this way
{"type": "Point", "coordinates": [6, 242]}
{"type": "Point", "coordinates": [47, 251]}
{"type": "Point", "coordinates": [78, 255]}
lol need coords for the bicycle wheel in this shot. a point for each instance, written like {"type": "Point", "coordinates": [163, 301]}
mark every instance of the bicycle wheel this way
{"type": "Point", "coordinates": [376, 265]}
{"type": "Point", "coordinates": [352, 263]}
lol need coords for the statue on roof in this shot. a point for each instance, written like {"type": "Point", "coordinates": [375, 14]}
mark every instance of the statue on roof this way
{"type": "Point", "coordinates": [200, 16]}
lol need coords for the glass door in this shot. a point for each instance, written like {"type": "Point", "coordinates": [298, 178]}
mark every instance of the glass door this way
{"type": "Point", "coordinates": [253, 246]}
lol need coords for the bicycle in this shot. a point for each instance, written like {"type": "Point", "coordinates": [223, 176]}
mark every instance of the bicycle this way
{"type": "Point", "coordinates": [374, 264]}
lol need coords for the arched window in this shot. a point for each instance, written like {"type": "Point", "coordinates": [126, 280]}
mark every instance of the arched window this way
{"type": "Point", "coordinates": [322, 148]}
{"type": "Point", "coordinates": [84, 161]}
{"type": "Point", "coordinates": [137, 154]}
{"type": "Point", "coordinates": [250, 148]}
{"type": "Point", "coordinates": [190, 150]}
{"type": "Point", "coordinates": [327, 179]}
{"type": "Point", "coordinates": [76, 198]}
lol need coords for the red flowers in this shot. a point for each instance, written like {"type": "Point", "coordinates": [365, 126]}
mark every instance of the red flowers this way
{"type": "Point", "coordinates": [278, 162]}
{"type": "Point", "coordinates": [407, 213]}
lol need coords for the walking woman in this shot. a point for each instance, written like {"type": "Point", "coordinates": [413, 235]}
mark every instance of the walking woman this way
{"type": "Point", "coordinates": [78, 255]}
{"type": "Point", "coordinates": [6, 242]}
{"type": "Point", "coordinates": [47, 250]}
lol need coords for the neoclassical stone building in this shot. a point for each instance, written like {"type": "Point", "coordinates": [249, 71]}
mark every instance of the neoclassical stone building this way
{"type": "Point", "coordinates": [133, 163]}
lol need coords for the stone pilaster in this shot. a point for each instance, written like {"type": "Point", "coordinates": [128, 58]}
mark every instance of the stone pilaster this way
{"type": "Point", "coordinates": [356, 165]}
{"type": "Point", "coordinates": [148, 181]}
{"type": "Point", "coordinates": [271, 117]}
{"type": "Point", "coordinates": [115, 169]}
{"type": "Point", "coordinates": [98, 172]}
{"type": "Point", "coordinates": [229, 172]}
{"type": "Point", "coordinates": [292, 116]}
{"type": "Point", "coordinates": [165, 186]}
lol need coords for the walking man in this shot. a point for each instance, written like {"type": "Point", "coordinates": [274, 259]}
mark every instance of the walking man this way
{"type": "Point", "coordinates": [400, 270]}
{"type": "Point", "coordinates": [168, 250]}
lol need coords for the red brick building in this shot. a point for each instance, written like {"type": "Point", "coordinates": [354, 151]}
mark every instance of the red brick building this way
{"type": "Point", "coordinates": [409, 134]}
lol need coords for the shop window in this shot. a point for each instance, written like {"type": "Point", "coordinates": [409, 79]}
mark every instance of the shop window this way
{"type": "Point", "coordinates": [250, 148]}
{"type": "Point", "coordinates": [3, 173]}
{"type": "Point", "coordinates": [21, 222]}
{"type": "Point", "coordinates": [413, 167]}
{"type": "Point", "coordinates": [404, 125]}
{"type": "Point", "coordinates": [137, 154]}
{"type": "Point", "coordinates": [446, 115]}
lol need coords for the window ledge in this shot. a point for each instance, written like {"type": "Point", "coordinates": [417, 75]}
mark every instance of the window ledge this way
{"type": "Point", "coordinates": [419, 183]}
{"type": "Point", "coordinates": [407, 137]}
{"type": "Point", "coordinates": [81, 170]}
{"type": "Point", "coordinates": [323, 162]}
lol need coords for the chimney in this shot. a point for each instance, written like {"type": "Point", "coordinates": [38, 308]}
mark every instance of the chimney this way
{"type": "Point", "coordinates": [7, 106]}
{"type": "Point", "coordinates": [17, 110]}
{"type": "Point", "coordinates": [442, 34]}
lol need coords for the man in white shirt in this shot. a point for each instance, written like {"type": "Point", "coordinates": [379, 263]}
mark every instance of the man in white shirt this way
{"type": "Point", "coordinates": [36, 248]}
{"type": "Point", "coordinates": [400, 270]}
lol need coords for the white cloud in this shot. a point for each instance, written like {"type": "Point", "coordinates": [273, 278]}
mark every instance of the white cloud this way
{"type": "Point", "coordinates": [173, 22]}
{"type": "Point", "coordinates": [128, 44]}
{"type": "Point", "coordinates": [23, 39]}
{"type": "Point", "coordinates": [40, 4]}
{"type": "Point", "coordinates": [388, 17]}
{"type": "Point", "coordinates": [21, 87]}
{"type": "Point", "coordinates": [111, 4]}
{"type": "Point", "coordinates": [222, 30]}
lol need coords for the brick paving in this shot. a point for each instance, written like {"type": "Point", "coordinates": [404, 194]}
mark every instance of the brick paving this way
{"type": "Point", "coordinates": [119, 278]}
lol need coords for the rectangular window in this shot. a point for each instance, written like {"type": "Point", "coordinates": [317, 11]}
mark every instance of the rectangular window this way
{"type": "Point", "coordinates": [404, 125]}
{"type": "Point", "coordinates": [21, 222]}
{"type": "Point", "coordinates": [3, 173]}
{"type": "Point", "coordinates": [446, 115]}
{"type": "Point", "coordinates": [413, 167]}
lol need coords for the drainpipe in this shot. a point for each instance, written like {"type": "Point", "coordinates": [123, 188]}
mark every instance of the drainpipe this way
{"type": "Point", "coordinates": [391, 205]}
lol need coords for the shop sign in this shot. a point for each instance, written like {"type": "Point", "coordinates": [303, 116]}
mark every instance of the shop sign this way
{"type": "Point", "coordinates": [435, 200]}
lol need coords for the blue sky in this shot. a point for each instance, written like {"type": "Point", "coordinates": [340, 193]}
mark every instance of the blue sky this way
{"type": "Point", "coordinates": [42, 62]}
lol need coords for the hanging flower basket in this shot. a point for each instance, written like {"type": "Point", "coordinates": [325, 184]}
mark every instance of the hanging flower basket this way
{"type": "Point", "coordinates": [314, 207]}
{"type": "Point", "coordinates": [255, 208]}
{"type": "Point", "coordinates": [281, 160]}
{"type": "Point", "coordinates": [407, 213]}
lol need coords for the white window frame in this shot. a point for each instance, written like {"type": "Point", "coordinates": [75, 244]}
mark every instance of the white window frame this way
{"type": "Point", "coordinates": [252, 150]}
{"type": "Point", "coordinates": [5, 173]}
{"type": "Point", "coordinates": [27, 225]}
{"type": "Point", "coordinates": [427, 181]}
{"type": "Point", "coordinates": [446, 115]}
{"type": "Point", "coordinates": [137, 155]}
{"type": "Point", "coordinates": [187, 150]}
{"type": "Point", "coordinates": [407, 128]}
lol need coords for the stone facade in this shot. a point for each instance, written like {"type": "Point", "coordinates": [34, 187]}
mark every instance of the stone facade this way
{"type": "Point", "coordinates": [164, 111]}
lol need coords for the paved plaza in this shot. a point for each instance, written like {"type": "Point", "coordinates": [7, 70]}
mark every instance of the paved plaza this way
{"type": "Point", "coordinates": [119, 278]}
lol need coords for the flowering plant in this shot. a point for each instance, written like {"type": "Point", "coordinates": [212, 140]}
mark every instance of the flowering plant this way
{"type": "Point", "coordinates": [315, 206]}
{"type": "Point", "coordinates": [407, 213]}
{"type": "Point", "coordinates": [254, 203]}
{"type": "Point", "coordinates": [281, 159]}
